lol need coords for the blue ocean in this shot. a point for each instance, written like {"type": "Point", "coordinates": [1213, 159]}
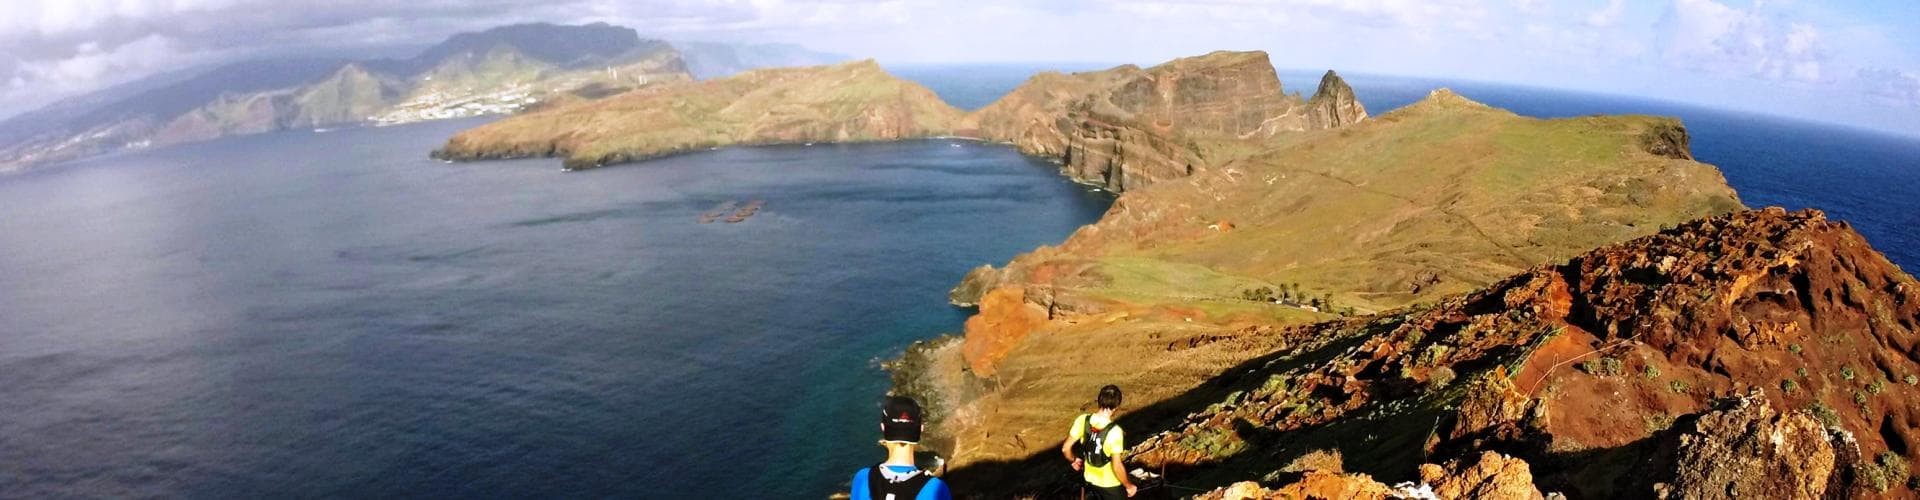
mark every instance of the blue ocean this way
{"type": "Point", "coordinates": [334, 315]}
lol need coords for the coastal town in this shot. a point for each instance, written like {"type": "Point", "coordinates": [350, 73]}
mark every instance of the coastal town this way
{"type": "Point", "coordinates": [440, 105]}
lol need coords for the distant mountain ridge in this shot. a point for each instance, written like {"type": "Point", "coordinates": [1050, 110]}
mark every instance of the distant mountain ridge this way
{"type": "Point", "coordinates": [709, 60]}
{"type": "Point", "coordinates": [499, 70]}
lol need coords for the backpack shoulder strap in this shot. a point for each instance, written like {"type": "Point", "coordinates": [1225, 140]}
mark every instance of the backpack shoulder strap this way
{"type": "Point", "coordinates": [879, 487]}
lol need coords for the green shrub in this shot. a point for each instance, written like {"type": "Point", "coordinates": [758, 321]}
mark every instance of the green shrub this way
{"type": "Point", "coordinates": [1604, 366]}
{"type": "Point", "coordinates": [1678, 386]}
{"type": "Point", "coordinates": [1440, 377]}
{"type": "Point", "coordinates": [1794, 348]}
{"type": "Point", "coordinates": [1887, 470]}
{"type": "Point", "coordinates": [1801, 371]}
{"type": "Point", "coordinates": [1825, 414]}
{"type": "Point", "coordinates": [1276, 384]}
{"type": "Point", "coordinates": [1650, 372]}
{"type": "Point", "coordinates": [1846, 372]}
{"type": "Point", "coordinates": [1214, 443]}
{"type": "Point", "coordinates": [1876, 387]}
{"type": "Point", "coordinates": [1788, 386]}
{"type": "Point", "coordinates": [1658, 422]}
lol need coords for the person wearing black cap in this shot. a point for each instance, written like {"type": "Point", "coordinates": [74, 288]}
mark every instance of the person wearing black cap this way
{"type": "Point", "coordinates": [898, 478]}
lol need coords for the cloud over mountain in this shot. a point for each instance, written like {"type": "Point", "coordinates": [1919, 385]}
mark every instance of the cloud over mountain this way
{"type": "Point", "coordinates": [1775, 53]}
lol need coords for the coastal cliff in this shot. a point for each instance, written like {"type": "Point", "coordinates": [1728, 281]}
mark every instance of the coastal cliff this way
{"type": "Point", "coordinates": [855, 101]}
{"type": "Point", "coordinates": [1126, 127]}
{"type": "Point", "coordinates": [1430, 201]}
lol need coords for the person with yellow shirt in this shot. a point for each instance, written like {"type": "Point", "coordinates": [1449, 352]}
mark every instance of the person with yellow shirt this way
{"type": "Point", "coordinates": [1096, 446]}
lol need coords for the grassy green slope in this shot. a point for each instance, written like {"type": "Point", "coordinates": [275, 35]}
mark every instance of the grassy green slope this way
{"type": "Point", "coordinates": [1447, 194]}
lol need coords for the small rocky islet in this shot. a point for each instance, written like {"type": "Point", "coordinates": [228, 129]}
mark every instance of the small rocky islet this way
{"type": "Point", "coordinates": [1503, 306]}
{"type": "Point", "coordinates": [732, 212]}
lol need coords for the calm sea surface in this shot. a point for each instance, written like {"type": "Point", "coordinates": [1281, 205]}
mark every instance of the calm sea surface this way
{"type": "Point", "coordinates": [323, 315]}
{"type": "Point", "coordinates": [334, 315]}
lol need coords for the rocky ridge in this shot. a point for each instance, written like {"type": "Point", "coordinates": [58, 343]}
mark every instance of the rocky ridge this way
{"type": "Point", "coordinates": [1318, 226]}
{"type": "Point", "coordinates": [1639, 369]}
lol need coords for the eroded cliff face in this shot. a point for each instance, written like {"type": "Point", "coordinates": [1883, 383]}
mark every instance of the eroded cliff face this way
{"type": "Point", "coordinates": [1126, 127]}
{"type": "Point", "coordinates": [1763, 352]}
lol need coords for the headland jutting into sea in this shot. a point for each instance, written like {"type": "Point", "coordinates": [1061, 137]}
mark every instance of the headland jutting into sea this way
{"type": "Point", "coordinates": [1503, 305]}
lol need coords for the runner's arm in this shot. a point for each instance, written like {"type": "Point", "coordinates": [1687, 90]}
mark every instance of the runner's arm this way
{"type": "Point", "coordinates": [1066, 449]}
{"type": "Point", "coordinates": [1073, 434]}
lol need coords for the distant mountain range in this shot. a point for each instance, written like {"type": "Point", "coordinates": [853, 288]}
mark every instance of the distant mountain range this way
{"type": "Point", "coordinates": [500, 70]}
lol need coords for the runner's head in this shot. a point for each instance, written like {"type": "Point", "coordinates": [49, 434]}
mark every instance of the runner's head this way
{"type": "Point", "coordinates": [900, 421]}
{"type": "Point", "coordinates": [1109, 397]}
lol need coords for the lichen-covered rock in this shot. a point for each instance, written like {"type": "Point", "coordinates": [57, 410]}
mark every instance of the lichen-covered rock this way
{"type": "Point", "coordinates": [1747, 450]}
{"type": "Point", "coordinates": [1491, 476]}
{"type": "Point", "coordinates": [1315, 485]}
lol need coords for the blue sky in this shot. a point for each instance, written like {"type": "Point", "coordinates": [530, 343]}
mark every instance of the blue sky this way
{"type": "Point", "coordinates": [1856, 62]}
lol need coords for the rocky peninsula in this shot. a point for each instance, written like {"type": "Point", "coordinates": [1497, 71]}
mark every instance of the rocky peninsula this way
{"type": "Point", "coordinates": [1305, 300]}
{"type": "Point", "coordinates": [854, 101]}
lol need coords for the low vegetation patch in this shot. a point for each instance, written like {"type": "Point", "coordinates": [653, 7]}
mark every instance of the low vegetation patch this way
{"type": "Point", "coordinates": [1604, 367]}
{"type": "Point", "coordinates": [1886, 471]}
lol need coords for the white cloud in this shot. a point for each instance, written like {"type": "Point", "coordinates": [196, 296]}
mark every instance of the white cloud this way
{"type": "Point", "coordinates": [54, 48]}
{"type": "Point", "coordinates": [1608, 15]}
{"type": "Point", "coordinates": [93, 64]}
{"type": "Point", "coordinates": [1890, 86]}
{"type": "Point", "coordinates": [1708, 36]}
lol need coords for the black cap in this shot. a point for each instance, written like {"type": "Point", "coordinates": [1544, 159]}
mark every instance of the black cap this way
{"type": "Point", "coordinates": [900, 420]}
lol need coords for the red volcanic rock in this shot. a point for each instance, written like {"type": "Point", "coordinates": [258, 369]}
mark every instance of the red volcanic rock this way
{"type": "Point", "coordinates": [1005, 318]}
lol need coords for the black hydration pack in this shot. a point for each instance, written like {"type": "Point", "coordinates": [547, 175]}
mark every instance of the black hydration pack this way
{"type": "Point", "coordinates": [1092, 446]}
{"type": "Point", "coordinates": [879, 487]}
